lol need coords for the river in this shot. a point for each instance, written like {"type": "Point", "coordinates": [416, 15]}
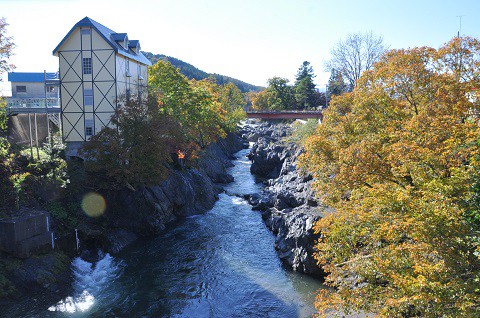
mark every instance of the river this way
{"type": "Point", "coordinates": [218, 264]}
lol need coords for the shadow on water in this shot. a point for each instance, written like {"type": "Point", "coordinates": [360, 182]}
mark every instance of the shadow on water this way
{"type": "Point", "coordinates": [212, 265]}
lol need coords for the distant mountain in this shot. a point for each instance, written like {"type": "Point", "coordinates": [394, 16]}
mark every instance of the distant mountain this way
{"type": "Point", "coordinates": [191, 71]}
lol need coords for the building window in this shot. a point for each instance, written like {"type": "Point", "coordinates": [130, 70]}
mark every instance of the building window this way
{"type": "Point", "coordinates": [127, 68]}
{"type": "Point", "coordinates": [140, 77]}
{"type": "Point", "coordinates": [87, 65]}
{"type": "Point", "coordinates": [88, 128]}
{"type": "Point", "coordinates": [86, 32]}
{"type": "Point", "coordinates": [87, 97]}
{"type": "Point", "coordinates": [50, 89]}
{"type": "Point", "coordinates": [21, 89]}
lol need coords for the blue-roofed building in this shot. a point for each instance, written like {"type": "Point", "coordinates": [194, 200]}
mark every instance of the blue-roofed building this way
{"type": "Point", "coordinates": [33, 107]}
{"type": "Point", "coordinates": [33, 85]}
{"type": "Point", "coordinates": [98, 68]}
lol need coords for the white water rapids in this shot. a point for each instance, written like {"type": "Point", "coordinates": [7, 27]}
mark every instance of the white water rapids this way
{"type": "Point", "coordinates": [91, 280]}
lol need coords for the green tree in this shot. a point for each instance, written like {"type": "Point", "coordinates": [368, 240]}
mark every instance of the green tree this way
{"type": "Point", "coordinates": [262, 100]}
{"type": "Point", "coordinates": [277, 96]}
{"type": "Point", "coordinates": [305, 92]}
{"type": "Point", "coordinates": [137, 151]}
{"type": "Point", "coordinates": [7, 197]}
{"type": "Point", "coordinates": [193, 104]}
{"type": "Point", "coordinates": [284, 97]}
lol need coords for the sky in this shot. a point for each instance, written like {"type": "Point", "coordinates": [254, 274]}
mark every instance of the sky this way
{"type": "Point", "coordinates": [251, 40]}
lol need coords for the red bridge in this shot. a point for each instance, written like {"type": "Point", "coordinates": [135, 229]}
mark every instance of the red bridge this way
{"type": "Point", "coordinates": [285, 114]}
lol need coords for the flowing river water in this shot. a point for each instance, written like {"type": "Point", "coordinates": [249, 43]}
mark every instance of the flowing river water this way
{"type": "Point", "coordinates": [218, 264]}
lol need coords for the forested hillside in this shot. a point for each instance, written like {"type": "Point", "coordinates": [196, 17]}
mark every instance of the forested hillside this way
{"type": "Point", "coordinates": [192, 72]}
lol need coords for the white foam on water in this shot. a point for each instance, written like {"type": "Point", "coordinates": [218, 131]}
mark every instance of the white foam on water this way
{"type": "Point", "coordinates": [238, 201]}
{"type": "Point", "coordinates": [89, 281]}
{"type": "Point", "coordinates": [70, 305]}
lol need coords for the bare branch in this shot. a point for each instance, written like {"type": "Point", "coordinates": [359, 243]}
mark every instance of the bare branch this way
{"type": "Point", "coordinates": [356, 54]}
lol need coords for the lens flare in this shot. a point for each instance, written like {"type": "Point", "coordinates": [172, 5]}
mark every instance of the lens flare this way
{"type": "Point", "coordinates": [93, 204]}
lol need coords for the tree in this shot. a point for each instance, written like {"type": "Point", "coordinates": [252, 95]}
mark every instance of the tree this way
{"type": "Point", "coordinates": [277, 96]}
{"type": "Point", "coordinates": [262, 100]}
{"type": "Point", "coordinates": [356, 54]}
{"type": "Point", "coordinates": [6, 47]}
{"type": "Point", "coordinates": [137, 151]}
{"type": "Point", "coordinates": [336, 84]}
{"type": "Point", "coordinates": [7, 200]}
{"type": "Point", "coordinates": [232, 100]}
{"type": "Point", "coordinates": [283, 93]}
{"type": "Point", "coordinates": [398, 160]}
{"type": "Point", "coordinates": [193, 104]}
{"type": "Point", "coordinates": [305, 92]}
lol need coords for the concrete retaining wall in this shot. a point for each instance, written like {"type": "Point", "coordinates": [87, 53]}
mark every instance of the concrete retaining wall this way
{"type": "Point", "coordinates": [19, 132]}
{"type": "Point", "coordinates": [25, 235]}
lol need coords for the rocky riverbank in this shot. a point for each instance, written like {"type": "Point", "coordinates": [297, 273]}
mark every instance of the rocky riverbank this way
{"type": "Point", "coordinates": [287, 203]}
{"type": "Point", "coordinates": [146, 211]}
{"type": "Point", "coordinates": [129, 215]}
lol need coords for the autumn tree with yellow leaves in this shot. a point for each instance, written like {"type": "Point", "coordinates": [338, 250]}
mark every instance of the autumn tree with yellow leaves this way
{"type": "Point", "coordinates": [398, 160]}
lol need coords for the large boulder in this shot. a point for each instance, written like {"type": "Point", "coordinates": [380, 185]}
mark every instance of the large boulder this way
{"type": "Point", "coordinates": [294, 237]}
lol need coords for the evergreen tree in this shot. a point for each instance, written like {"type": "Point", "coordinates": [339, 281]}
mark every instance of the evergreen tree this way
{"type": "Point", "coordinates": [305, 93]}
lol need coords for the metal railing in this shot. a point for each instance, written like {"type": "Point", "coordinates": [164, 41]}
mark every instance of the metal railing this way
{"type": "Point", "coordinates": [33, 102]}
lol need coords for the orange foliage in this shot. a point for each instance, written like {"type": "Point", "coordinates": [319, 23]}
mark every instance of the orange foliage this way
{"type": "Point", "coordinates": [397, 159]}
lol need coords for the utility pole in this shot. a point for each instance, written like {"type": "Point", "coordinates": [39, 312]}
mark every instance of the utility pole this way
{"type": "Point", "coordinates": [326, 95]}
{"type": "Point", "coordinates": [460, 29]}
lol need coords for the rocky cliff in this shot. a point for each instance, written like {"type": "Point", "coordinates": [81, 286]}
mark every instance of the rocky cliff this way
{"type": "Point", "coordinates": [288, 204]}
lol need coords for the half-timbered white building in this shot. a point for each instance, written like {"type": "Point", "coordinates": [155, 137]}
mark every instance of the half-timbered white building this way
{"type": "Point", "coordinates": [98, 68]}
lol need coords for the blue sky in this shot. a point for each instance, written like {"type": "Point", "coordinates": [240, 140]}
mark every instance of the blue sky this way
{"type": "Point", "coordinates": [251, 40]}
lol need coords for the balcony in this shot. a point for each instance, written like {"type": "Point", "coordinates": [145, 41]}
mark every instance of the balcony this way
{"type": "Point", "coordinates": [33, 105]}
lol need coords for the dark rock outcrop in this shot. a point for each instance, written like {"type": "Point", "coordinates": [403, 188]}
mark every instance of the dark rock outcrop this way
{"type": "Point", "coordinates": [295, 237]}
{"type": "Point", "coordinates": [288, 204]}
{"type": "Point", "coordinates": [217, 158]}
{"type": "Point", "coordinates": [147, 210]}
{"type": "Point", "coordinates": [45, 272]}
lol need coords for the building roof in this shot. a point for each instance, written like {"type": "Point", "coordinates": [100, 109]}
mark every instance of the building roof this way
{"type": "Point", "coordinates": [133, 43]}
{"type": "Point", "coordinates": [111, 37]}
{"type": "Point", "coordinates": [118, 36]}
{"type": "Point", "coordinates": [29, 77]}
